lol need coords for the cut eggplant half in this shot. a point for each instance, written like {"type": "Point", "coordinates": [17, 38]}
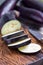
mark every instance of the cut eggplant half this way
{"type": "Point", "coordinates": [16, 39]}
{"type": "Point", "coordinates": [14, 34]}
{"type": "Point", "coordinates": [20, 43]}
{"type": "Point", "coordinates": [30, 48]}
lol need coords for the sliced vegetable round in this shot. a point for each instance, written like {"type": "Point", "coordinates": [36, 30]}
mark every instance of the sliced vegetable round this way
{"type": "Point", "coordinates": [31, 48]}
{"type": "Point", "coordinates": [11, 26]}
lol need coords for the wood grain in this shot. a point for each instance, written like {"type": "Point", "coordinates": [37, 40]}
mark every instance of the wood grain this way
{"type": "Point", "coordinates": [10, 56]}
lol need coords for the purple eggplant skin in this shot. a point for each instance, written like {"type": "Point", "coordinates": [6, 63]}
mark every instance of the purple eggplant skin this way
{"type": "Point", "coordinates": [31, 13]}
{"type": "Point", "coordinates": [7, 17]}
{"type": "Point", "coordinates": [8, 6]}
{"type": "Point", "coordinates": [36, 4]}
{"type": "Point", "coordinates": [11, 15]}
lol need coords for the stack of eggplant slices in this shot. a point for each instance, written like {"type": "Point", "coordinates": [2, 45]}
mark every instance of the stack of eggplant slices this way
{"type": "Point", "coordinates": [14, 36]}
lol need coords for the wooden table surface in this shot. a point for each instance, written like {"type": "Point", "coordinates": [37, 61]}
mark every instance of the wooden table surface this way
{"type": "Point", "coordinates": [14, 57]}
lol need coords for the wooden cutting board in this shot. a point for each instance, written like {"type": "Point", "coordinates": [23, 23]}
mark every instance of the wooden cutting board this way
{"type": "Point", "coordinates": [9, 56]}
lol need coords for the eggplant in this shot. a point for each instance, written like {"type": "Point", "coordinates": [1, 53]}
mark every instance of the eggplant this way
{"type": "Point", "coordinates": [16, 39]}
{"type": "Point", "coordinates": [31, 13]}
{"type": "Point", "coordinates": [6, 17]}
{"type": "Point", "coordinates": [36, 4]}
{"type": "Point", "coordinates": [20, 43]}
{"type": "Point", "coordinates": [14, 34]}
{"type": "Point", "coordinates": [9, 5]}
{"type": "Point", "coordinates": [12, 15]}
{"type": "Point", "coordinates": [31, 23]}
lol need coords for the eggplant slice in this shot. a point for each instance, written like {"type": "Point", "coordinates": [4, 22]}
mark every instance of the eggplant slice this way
{"type": "Point", "coordinates": [19, 38]}
{"type": "Point", "coordinates": [20, 43]}
{"type": "Point", "coordinates": [14, 34]}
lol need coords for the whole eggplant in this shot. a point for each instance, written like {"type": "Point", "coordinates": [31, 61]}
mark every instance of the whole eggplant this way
{"type": "Point", "coordinates": [8, 5]}
{"type": "Point", "coordinates": [36, 4]}
{"type": "Point", "coordinates": [31, 13]}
